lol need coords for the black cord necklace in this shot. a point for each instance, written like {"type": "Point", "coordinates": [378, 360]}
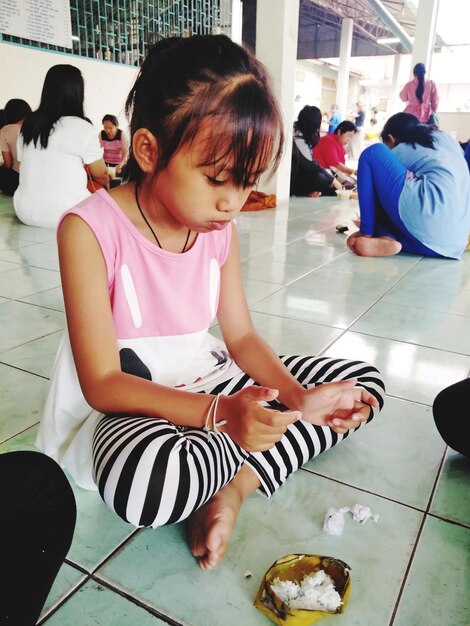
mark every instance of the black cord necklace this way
{"type": "Point", "coordinates": [151, 229]}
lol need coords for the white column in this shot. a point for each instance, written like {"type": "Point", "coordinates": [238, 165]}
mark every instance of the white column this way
{"type": "Point", "coordinates": [344, 65]}
{"type": "Point", "coordinates": [277, 24]}
{"type": "Point", "coordinates": [425, 33]}
{"type": "Point", "coordinates": [393, 104]}
{"type": "Point", "coordinates": [237, 21]}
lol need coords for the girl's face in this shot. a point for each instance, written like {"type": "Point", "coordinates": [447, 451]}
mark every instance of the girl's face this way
{"type": "Point", "coordinates": [110, 129]}
{"type": "Point", "coordinates": [345, 138]}
{"type": "Point", "coordinates": [198, 196]}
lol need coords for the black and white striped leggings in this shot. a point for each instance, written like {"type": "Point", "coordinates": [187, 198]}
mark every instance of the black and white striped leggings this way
{"type": "Point", "coordinates": [152, 473]}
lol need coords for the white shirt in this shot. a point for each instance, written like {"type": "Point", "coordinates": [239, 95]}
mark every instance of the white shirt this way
{"type": "Point", "coordinates": [53, 179]}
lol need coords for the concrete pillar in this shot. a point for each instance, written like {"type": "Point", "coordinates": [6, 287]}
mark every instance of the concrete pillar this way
{"type": "Point", "coordinates": [394, 104]}
{"type": "Point", "coordinates": [277, 25]}
{"type": "Point", "coordinates": [425, 33]}
{"type": "Point", "coordinates": [237, 21]}
{"type": "Point", "coordinates": [344, 65]}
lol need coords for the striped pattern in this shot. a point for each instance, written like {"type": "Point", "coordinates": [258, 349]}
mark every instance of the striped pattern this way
{"type": "Point", "coordinates": [153, 473]}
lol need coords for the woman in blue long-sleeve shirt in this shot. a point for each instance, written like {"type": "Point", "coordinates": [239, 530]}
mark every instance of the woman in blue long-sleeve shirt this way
{"type": "Point", "coordinates": [414, 193]}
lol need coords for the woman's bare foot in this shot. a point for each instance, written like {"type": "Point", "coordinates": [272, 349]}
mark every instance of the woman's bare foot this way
{"type": "Point", "coordinates": [373, 246]}
{"type": "Point", "coordinates": [315, 194]}
{"type": "Point", "coordinates": [210, 527]}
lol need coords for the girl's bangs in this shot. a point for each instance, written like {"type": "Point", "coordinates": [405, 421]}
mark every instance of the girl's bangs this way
{"type": "Point", "coordinates": [245, 127]}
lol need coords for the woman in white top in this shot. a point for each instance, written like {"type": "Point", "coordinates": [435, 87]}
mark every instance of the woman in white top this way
{"type": "Point", "coordinates": [55, 144]}
{"type": "Point", "coordinates": [15, 112]}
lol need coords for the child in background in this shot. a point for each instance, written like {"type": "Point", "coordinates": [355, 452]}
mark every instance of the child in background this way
{"type": "Point", "coordinates": [414, 193]}
{"type": "Point", "coordinates": [114, 143]}
{"type": "Point", "coordinates": [166, 421]}
{"type": "Point", "coordinates": [56, 142]}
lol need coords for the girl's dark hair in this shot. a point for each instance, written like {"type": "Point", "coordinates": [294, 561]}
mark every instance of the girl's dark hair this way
{"type": "Point", "coordinates": [308, 124]}
{"type": "Point", "coordinates": [110, 118]}
{"type": "Point", "coordinates": [16, 110]}
{"type": "Point", "coordinates": [62, 94]}
{"type": "Point", "coordinates": [406, 128]}
{"type": "Point", "coordinates": [344, 127]}
{"type": "Point", "coordinates": [184, 81]}
{"type": "Point", "coordinates": [419, 71]}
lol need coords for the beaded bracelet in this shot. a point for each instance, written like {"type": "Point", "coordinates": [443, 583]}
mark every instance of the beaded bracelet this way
{"type": "Point", "coordinates": [212, 425]}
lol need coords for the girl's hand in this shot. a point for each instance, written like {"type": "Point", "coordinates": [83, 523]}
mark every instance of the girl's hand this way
{"type": "Point", "coordinates": [341, 405]}
{"type": "Point", "coordinates": [253, 427]}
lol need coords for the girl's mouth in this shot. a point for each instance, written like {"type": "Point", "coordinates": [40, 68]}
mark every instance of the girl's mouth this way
{"type": "Point", "coordinates": [219, 225]}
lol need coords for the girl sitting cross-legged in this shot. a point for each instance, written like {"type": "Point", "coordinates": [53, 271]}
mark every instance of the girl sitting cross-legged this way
{"type": "Point", "coordinates": [166, 421]}
{"type": "Point", "coordinates": [414, 193]}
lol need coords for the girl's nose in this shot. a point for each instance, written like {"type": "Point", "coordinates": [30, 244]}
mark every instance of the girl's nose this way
{"type": "Point", "coordinates": [232, 199]}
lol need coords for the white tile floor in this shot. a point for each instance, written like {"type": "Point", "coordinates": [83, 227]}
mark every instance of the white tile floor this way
{"type": "Point", "coordinates": [409, 316]}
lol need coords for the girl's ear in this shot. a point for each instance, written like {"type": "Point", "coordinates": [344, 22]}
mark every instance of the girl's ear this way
{"type": "Point", "coordinates": [391, 142]}
{"type": "Point", "coordinates": [145, 150]}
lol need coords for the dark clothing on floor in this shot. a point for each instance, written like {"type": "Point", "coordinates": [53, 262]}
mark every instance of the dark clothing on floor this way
{"type": "Point", "coordinates": [37, 520]}
{"type": "Point", "coordinates": [9, 180]}
{"type": "Point", "coordinates": [450, 409]}
{"type": "Point", "coordinates": [308, 176]}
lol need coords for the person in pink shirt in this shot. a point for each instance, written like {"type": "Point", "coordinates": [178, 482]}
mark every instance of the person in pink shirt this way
{"type": "Point", "coordinates": [421, 96]}
{"type": "Point", "coordinates": [330, 151]}
{"type": "Point", "coordinates": [167, 421]}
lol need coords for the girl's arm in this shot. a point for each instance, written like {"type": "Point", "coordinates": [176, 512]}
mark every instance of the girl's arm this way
{"type": "Point", "coordinates": [99, 172]}
{"type": "Point", "coordinates": [95, 351]}
{"type": "Point", "coordinates": [255, 357]}
{"type": "Point", "coordinates": [345, 169]}
{"type": "Point", "coordinates": [7, 160]}
{"type": "Point", "coordinates": [404, 93]}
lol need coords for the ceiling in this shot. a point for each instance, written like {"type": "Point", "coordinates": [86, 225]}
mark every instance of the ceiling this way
{"type": "Point", "coordinates": [320, 26]}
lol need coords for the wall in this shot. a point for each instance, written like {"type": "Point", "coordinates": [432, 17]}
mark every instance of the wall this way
{"type": "Point", "coordinates": [458, 123]}
{"type": "Point", "coordinates": [22, 72]}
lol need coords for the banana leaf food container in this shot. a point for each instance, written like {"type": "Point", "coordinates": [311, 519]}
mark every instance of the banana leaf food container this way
{"type": "Point", "coordinates": [294, 567]}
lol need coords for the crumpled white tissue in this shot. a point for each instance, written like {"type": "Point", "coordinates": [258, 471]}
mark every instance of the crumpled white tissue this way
{"type": "Point", "coordinates": [335, 521]}
{"type": "Point", "coordinates": [362, 513]}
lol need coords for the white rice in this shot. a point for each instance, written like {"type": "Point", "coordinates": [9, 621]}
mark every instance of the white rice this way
{"type": "Point", "coordinates": [316, 592]}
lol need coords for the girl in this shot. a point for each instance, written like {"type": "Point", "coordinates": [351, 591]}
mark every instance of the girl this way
{"type": "Point", "coordinates": [55, 143]}
{"type": "Point", "coordinates": [308, 178]}
{"type": "Point", "coordinates": [114, 143]}
{"type": "Point", "coordinates": [165, 420]}
{"type": "Point", "coordinates": [414, 195]}
{"type": "Point", "coordinates": [15, 112]}
{"type": "Point", "coordinates": [421, 96]}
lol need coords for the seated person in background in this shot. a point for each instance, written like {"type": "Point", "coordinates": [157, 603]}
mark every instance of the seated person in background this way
{"type": "Point", "coordinates": [308, 178]}
{"type": "Point", "coordinates": [450, 410]}
{"type": "Point", "coordinates": [114, 143]}
{"type": "Point", "coordinates": [414, 193]}
{"type": "Point", "coordinates": [14, 113]}
{"type": "Point", "coordinates": [55, 143]}
{"type": "Point", "coordinates": [330, 151]}
{"type": "Point", "coordinates": [372, 132]}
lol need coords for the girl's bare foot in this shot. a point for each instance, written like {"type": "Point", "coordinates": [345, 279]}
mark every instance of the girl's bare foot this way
{"type": "Point", "coordinates": [210, 527]}
{"type": "Point", "coordinates": [373, 246]}
{"type": "Point", "coordinates": [315, 194]}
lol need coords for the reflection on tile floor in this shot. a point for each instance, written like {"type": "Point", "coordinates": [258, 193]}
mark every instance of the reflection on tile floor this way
{"type": "Point", "coordinates": [409, 316]}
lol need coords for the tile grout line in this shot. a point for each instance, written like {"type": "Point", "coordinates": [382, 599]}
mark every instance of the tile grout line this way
{"type": "Point", "coordinates": [418, 538]}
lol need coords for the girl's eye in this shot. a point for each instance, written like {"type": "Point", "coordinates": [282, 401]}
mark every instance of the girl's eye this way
{"type": "Point", "coordinates": [217, 182]}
